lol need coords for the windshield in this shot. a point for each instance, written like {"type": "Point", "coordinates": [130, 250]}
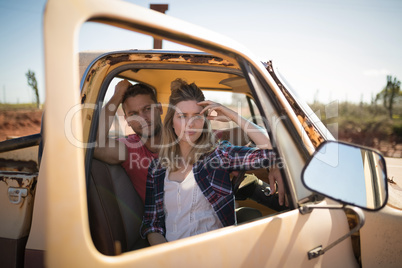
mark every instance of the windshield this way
{"type": "Point", "coordinates": [312, 124]}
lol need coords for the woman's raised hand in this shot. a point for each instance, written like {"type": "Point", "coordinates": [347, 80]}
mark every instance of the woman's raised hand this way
{"type": "Point", "coordinates": [221, 113]}
{"type": "Point", "coordinates": [216, 111]}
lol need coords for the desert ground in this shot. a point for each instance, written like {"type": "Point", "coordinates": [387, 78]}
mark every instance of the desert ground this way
{"type": "Point", "coordinates": [17, 123]}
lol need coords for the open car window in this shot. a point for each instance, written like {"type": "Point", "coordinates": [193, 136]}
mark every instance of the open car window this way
{"type": "Point", "coordinates": [230, 90]}
{"type": "Point", "coordinates": [222, 79]}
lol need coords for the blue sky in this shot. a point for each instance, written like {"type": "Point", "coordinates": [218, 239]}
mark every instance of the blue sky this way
{"type": "Point", "coordinates": [327, 49]}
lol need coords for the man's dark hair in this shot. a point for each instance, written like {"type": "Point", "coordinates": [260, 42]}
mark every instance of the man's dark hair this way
{"type": "Point", "coordinates": [139, 89]}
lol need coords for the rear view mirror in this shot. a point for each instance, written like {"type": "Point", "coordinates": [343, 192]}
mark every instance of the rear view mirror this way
{"type": "Point", "coordinates": [348, 173]}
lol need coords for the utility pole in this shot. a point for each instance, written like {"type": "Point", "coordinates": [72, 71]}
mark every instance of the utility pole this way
{"type": "Point", "coordinates": [160, 8]}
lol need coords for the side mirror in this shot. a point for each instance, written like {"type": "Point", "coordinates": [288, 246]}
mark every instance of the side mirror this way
{"type": "Point", "coordinates": [348, 173]}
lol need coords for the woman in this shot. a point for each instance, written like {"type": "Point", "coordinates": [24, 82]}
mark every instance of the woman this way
{"type": "Point", "coordinates": [188, 188]}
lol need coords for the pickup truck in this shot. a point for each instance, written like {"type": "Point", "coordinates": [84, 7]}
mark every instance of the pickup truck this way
{"type": "Point", "coordinates": [60, 207]}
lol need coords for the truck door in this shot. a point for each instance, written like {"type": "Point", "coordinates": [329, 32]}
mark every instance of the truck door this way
{"type": "Point", "coordinates": [280, 240]}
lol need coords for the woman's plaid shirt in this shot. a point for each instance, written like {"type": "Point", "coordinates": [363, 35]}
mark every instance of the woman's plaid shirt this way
{"type": "Point", "coordinates": [211, 173]}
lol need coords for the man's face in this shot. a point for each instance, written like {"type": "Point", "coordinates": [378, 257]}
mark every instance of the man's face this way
{"type": "Point", "coordinates": [143, 115]}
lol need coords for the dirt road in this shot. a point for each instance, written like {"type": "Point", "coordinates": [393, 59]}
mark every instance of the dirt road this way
{"type": "Point", "coordinates": [394, 170]}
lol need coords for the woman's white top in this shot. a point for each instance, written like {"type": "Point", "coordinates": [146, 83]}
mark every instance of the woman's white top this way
{"type": "Point", "coordinates": [187, 211]}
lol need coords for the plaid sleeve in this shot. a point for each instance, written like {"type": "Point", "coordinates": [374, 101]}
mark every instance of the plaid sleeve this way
{"type": "Point", "coordinates": [151, 222]}
{"type": "Point", "coordinates": [247, 158]}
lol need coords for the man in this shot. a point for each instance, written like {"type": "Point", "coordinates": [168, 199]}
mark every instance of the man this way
{"type": "Point", "coordinates": [143, 114]}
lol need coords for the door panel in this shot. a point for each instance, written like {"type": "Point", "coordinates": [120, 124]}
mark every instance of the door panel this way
{"type": "Point", "coordinates": [280, 241]}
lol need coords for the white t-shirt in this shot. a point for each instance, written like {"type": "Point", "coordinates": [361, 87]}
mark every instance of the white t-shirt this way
{"type": "Point", "coordinates": [187, 211]}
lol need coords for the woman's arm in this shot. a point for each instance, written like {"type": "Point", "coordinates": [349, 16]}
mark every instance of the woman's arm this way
{"type": "Point", "coordinates": [152, 224]}
{"type": "Point", "coordinates": [257, 134]}
{"type": "Point", "coordinates": [237, 158]}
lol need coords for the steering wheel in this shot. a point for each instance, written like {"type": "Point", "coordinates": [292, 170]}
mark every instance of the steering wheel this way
{"type": "Point", "coordinates": [238, 179]}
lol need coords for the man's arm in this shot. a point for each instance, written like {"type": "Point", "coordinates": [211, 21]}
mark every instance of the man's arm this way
{"type": "Point", "coordinates": [110, 150]}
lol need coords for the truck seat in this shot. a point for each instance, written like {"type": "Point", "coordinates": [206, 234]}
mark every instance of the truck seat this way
{"type": "Point", "coordinates": [115, 210]}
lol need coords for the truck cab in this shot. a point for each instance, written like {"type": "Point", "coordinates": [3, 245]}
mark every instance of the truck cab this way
{"type": "Point", "coordinates": [64, 208]}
